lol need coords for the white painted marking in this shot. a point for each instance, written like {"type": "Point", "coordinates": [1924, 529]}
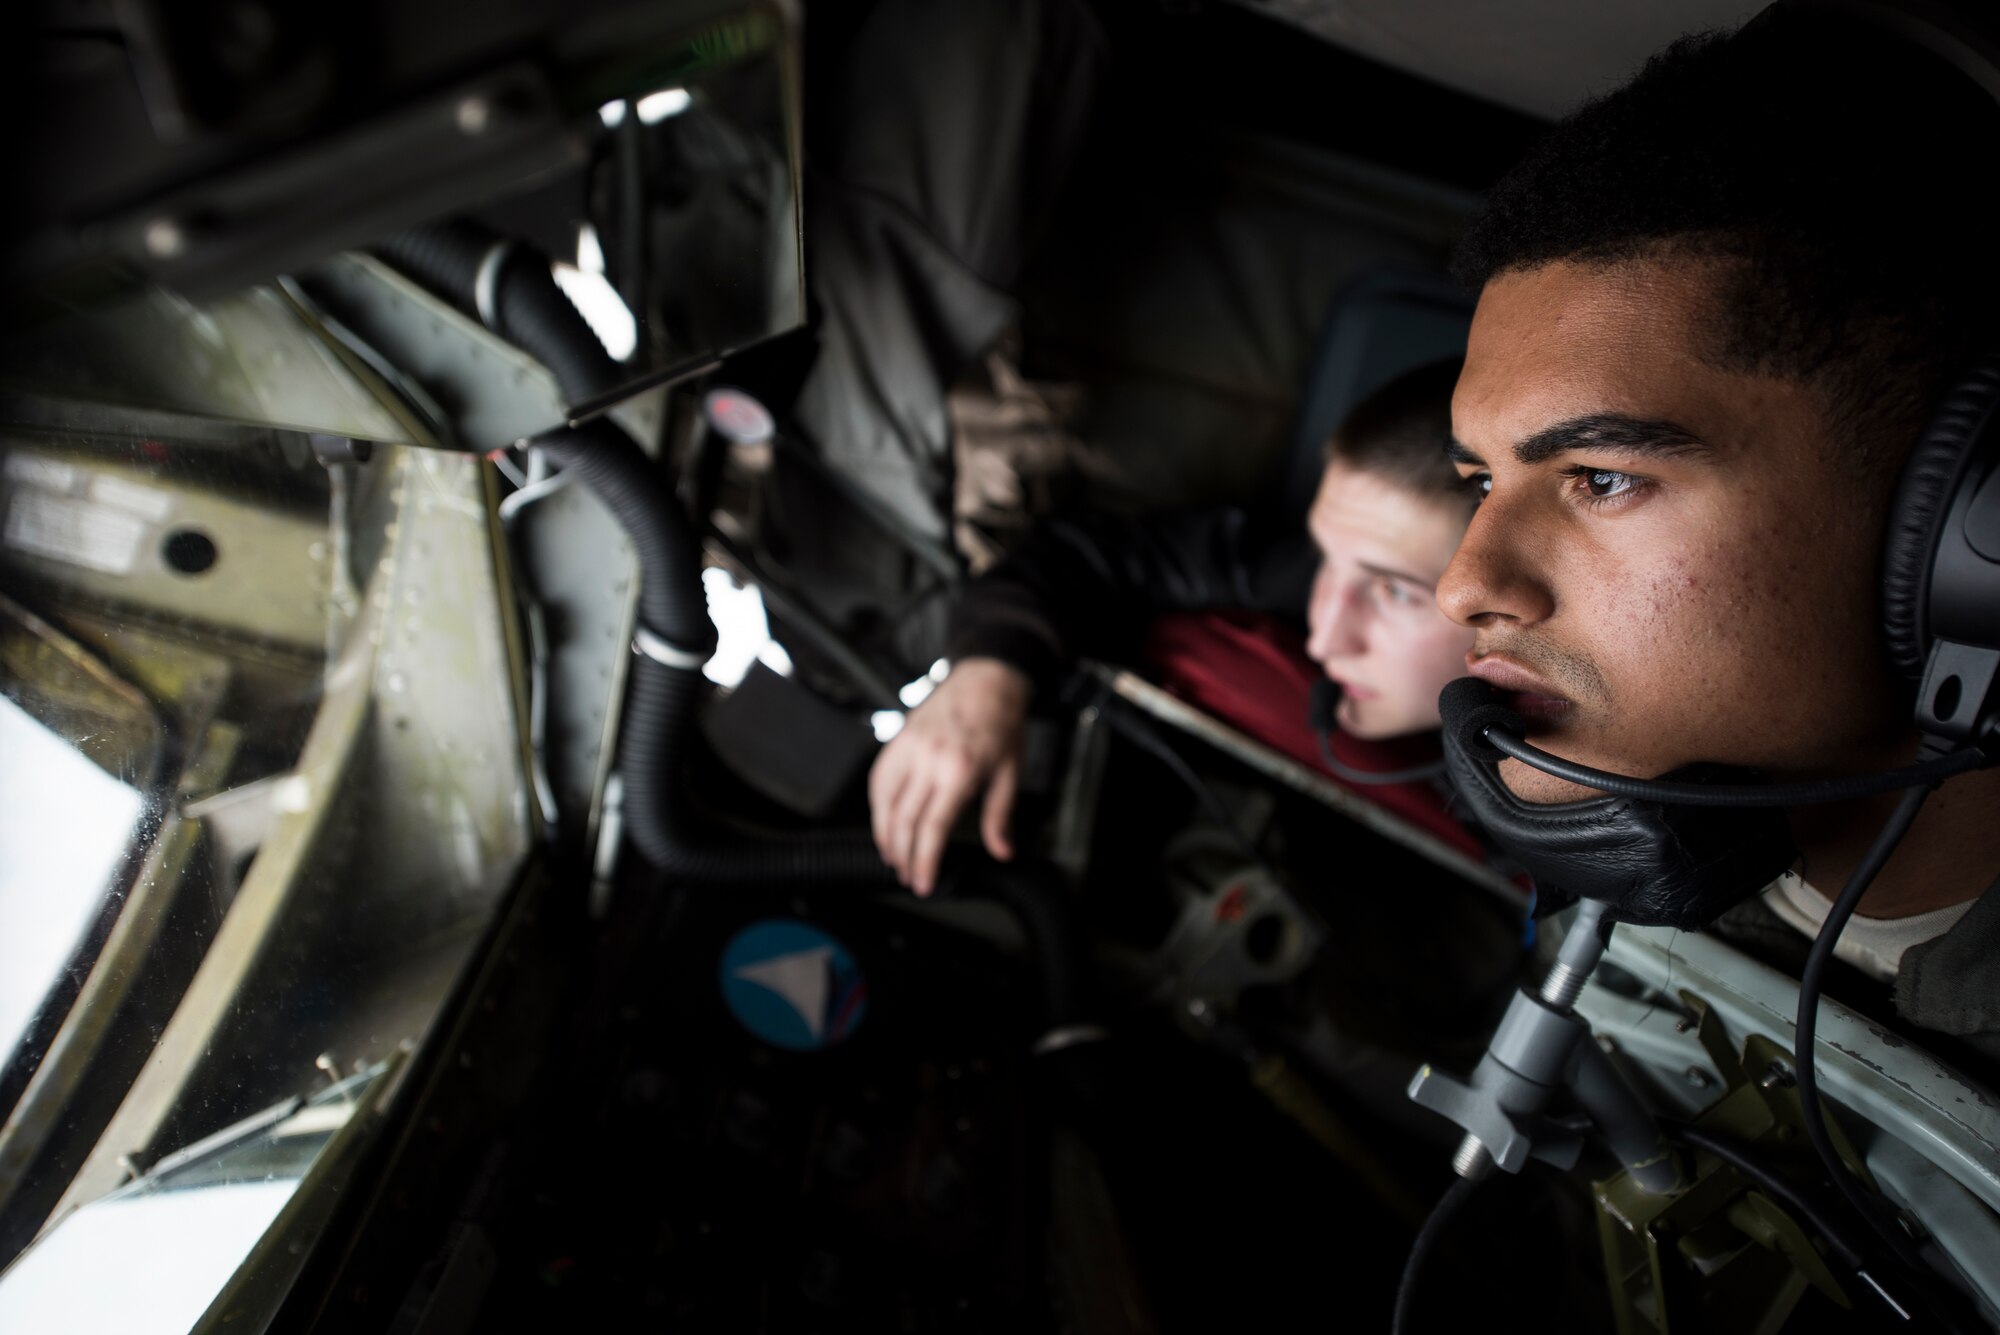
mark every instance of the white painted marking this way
{"type": "Point", "coordinates": [804, 979]}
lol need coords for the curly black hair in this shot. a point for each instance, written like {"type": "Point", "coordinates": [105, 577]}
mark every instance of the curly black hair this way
{"type": "Point", "coordinates": [1837, 172]}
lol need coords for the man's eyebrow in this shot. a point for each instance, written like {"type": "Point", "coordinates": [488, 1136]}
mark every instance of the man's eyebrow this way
{"type": "Point", "coordinates": [1609, 431]}
{"type": "Point", "coordinates": [1458, 454]}
{"type": "Point", "coordinates": [1390, 572]}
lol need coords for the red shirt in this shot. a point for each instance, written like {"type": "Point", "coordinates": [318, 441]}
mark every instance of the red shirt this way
{"type": "Point", "coordinates": [1251, 671]}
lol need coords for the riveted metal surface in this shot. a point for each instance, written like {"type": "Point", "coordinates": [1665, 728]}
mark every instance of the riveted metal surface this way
{"type": "Point", "coordinates": [1893, 1086]}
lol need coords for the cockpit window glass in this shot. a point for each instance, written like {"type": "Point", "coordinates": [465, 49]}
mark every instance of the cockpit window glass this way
{"type": "Point", "coordinates": [64, 825]}
{"type": "Point", "coordinates": [264, 787]}
{"type": "Point", "coordinates": [262, 701]}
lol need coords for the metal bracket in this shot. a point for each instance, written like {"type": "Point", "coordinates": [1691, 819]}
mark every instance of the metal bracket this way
{"type": "Point", "coordinates": [1532, 1055]}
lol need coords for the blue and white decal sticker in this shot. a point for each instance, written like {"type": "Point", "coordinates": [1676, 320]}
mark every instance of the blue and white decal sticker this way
{"type": "Point", "coordinates": [792, 985]}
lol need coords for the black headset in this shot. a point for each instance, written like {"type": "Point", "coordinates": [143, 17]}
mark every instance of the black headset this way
{"type": "Point", "coordinates": [1941, 566]}
{"type": "Point", "coordinates": [1941, 551]}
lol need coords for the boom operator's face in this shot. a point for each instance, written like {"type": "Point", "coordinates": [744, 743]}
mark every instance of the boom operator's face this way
{"type": "Point", "coordinates": [1374, 619]}
{"type": "Point", "coordinates": [1671, 562]}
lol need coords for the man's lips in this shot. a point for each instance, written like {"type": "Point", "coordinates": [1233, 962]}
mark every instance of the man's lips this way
{"type": "Point", "coordinates": [1527, 693]}
{"type": "Point", "coordinates": [1353, 690]}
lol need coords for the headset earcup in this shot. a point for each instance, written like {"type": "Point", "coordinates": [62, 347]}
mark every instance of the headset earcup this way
{"type": "Point", "coordinates": [1922, 493]}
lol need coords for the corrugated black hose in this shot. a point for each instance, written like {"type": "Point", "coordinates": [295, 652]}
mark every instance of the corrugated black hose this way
{"type": "Point", "coordinates": [510, 288]}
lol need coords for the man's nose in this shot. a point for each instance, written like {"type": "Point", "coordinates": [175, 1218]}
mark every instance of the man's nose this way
{"type": "Point", "coordinates": [1336, 624]}
{"type": "Point", "coordinates": [1495, 573]}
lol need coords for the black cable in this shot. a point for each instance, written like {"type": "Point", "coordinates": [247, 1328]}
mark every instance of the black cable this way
{"type": "Point", "coordinates": [1789, 1194]}
{"type": "Point", "coordinates": [1369, 776]}
{"type": "Point", "coordinates": [1140, 731]}
{"type": "Point", "coordinates": [1849, 1250]}
{"type": "Point", "coordinates": [628, 148]}
{"type": "Point", "coordinates": [1448, 1205]}
{"type": "Point", "coordinates": [1926, 774]}
{"type": "Point", "coordinates": [1811, 981]}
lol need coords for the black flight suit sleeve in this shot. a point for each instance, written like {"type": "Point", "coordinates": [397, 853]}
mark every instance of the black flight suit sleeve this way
{"type": "Point", "coordinates": [1087, 587]}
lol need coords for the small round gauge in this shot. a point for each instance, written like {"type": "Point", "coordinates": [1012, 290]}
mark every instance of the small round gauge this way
{"type": "Point", "coordinates": [736, 417]}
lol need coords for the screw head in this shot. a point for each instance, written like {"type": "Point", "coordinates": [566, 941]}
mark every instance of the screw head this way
{"type": "Point", "coordinates": [473, 114]}
{"type": "Point", "coordinates": [1699, 1078]}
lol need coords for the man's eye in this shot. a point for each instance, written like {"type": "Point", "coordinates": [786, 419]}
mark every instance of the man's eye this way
{"type": "Point", "coordinates": [1393, 593]}
{"type": "Point", "coordinates": [1479, 484]}
{"type": "Point", "coordinates": [1605, 484]}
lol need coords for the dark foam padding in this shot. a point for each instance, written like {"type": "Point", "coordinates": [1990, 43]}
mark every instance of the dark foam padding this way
{"type": "Point", "coordinates": [1654, 864]}
{"type": "Point", "coordinates": [1469, 707]}
{"type": "Point", "coordinates": [1923, 492]}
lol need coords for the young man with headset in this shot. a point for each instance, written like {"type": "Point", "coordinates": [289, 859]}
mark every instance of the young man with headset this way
{"type": "Point", "coordinates": [1384, 521]}
{"type": "Point", "coordinates": [1718, 309]}
{"type": "Point", "coordinates": [1734, 582]}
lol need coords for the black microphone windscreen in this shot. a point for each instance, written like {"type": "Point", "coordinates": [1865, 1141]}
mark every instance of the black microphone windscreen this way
{"type": "Point", "coordinates": [1325, 700]}
{"type": "Point", "coordinates": [1469, 707]}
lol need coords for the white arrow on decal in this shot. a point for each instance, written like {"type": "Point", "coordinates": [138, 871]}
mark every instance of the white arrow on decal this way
{"type": "Point", "coordinates": [803, 979]}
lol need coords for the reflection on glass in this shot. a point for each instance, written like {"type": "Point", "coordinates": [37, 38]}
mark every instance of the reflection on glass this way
{"type": "Point", "coordinates": [176, 1249]}
{"type": "Point", "coordinates": [64, 825]}
{"type": "Point", "coordinates": [150, 1258]}
{"type": "Point", "coordinates": [742, 631]}
{"type": "Point", "coordinates": [596, 300]}
{"type": "Point", "coordinates": [657, 106]}
{"type": "Point", "coordinates": [244, 359]}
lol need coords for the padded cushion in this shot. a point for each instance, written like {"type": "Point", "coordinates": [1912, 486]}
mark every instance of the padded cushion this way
{"type": "Point", "coordinates": [1654, 864]}
{"type": "Point", "coordinates": [1922, 494]}
{"type": "Point", "coordinates": [1383, 323]}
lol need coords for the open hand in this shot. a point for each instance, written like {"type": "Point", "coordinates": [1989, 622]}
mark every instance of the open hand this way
{"type": "Point", "coordinates": [966, 738]}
